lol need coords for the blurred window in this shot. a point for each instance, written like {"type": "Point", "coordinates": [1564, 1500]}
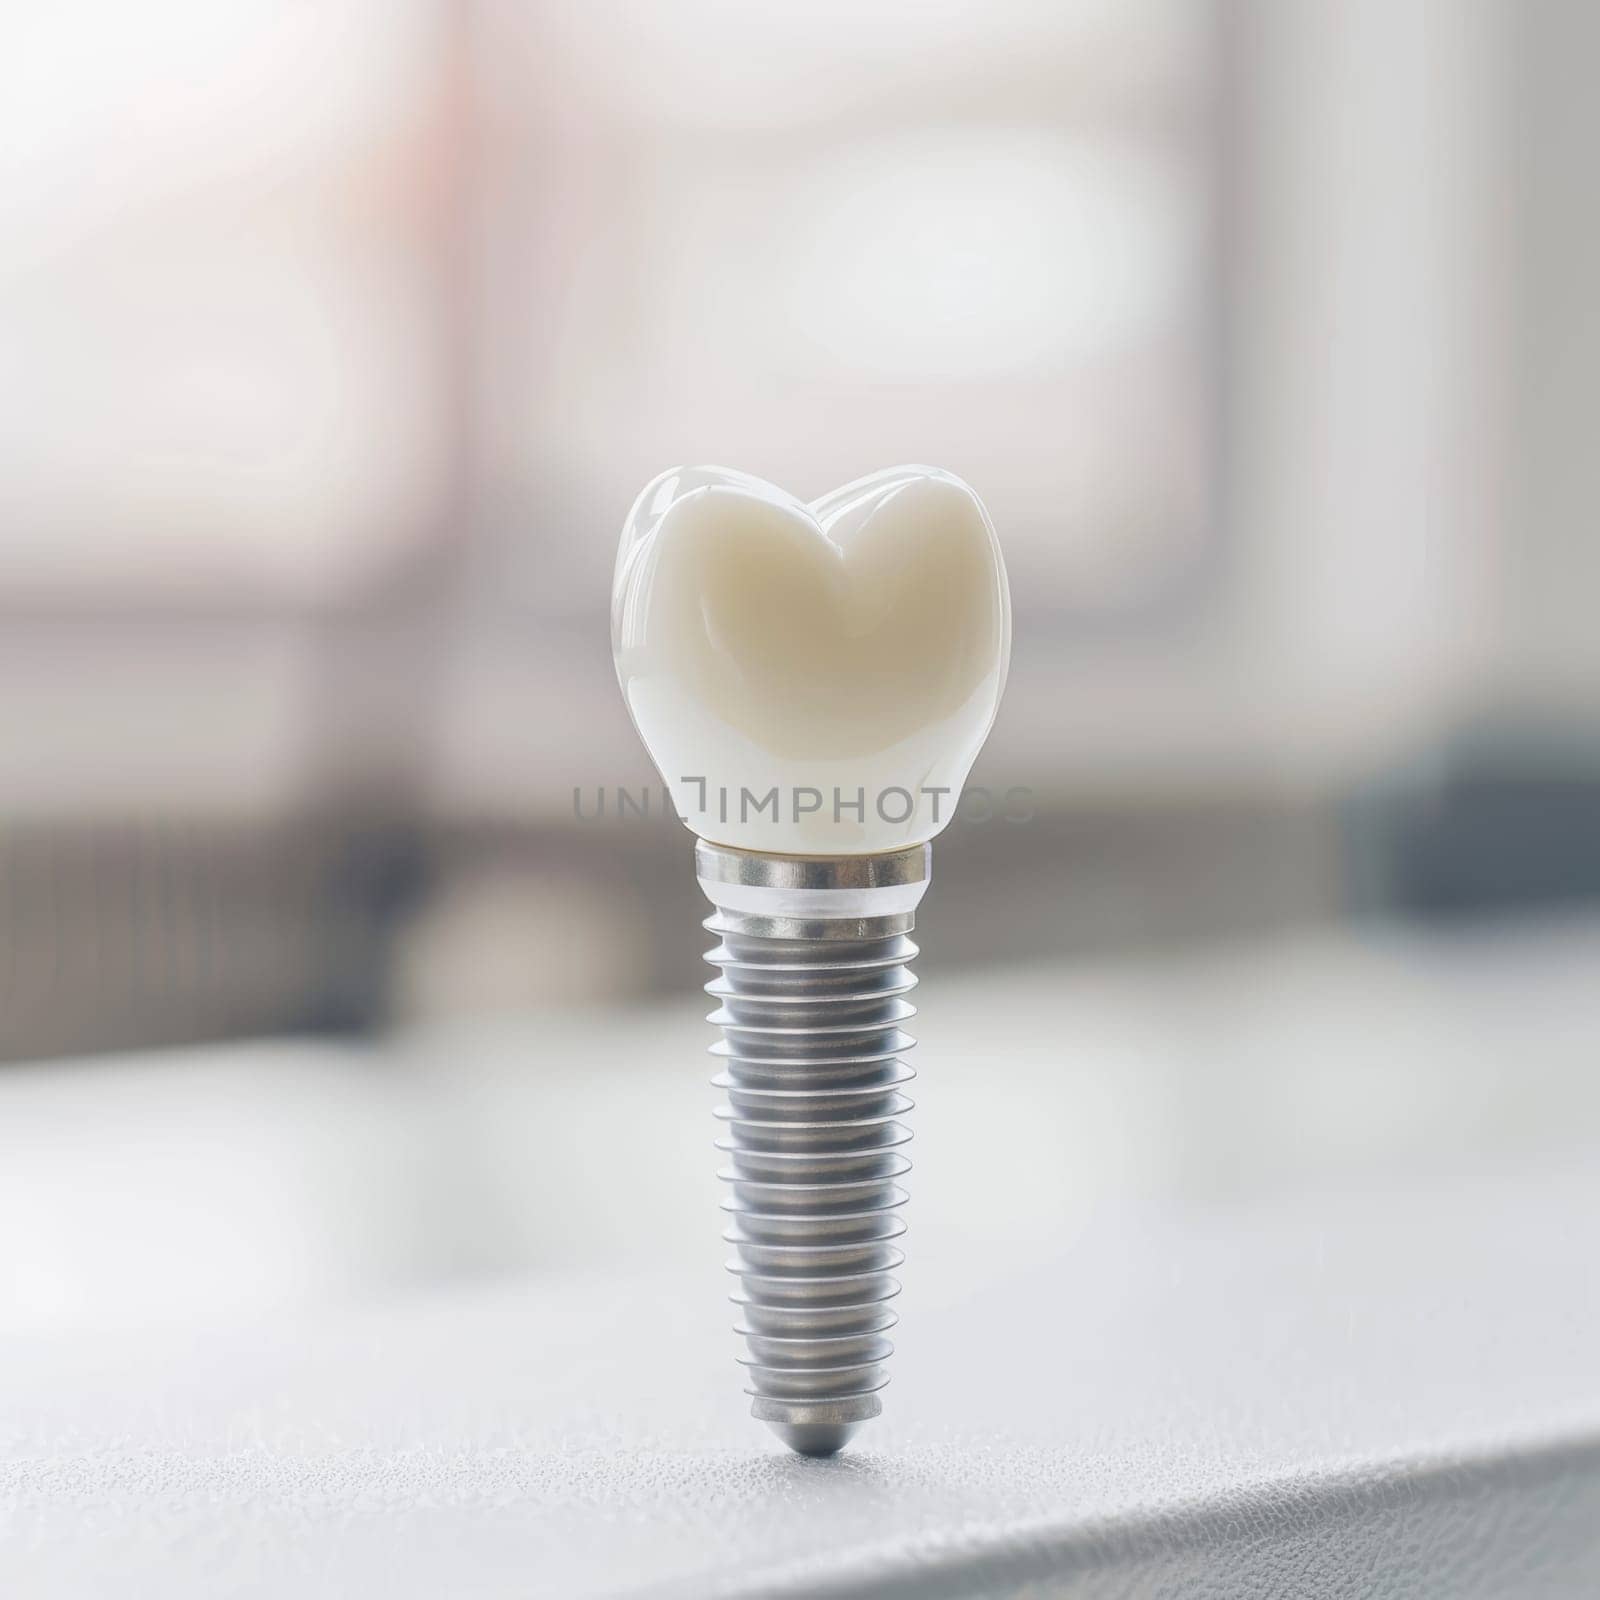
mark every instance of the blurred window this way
{"type": "Point", "coordinates": [220, 379]}
{"type": "Point", "coordinates": [809, 240]}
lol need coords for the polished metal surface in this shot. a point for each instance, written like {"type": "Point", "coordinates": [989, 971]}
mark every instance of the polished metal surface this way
{"type": "Point", "coordinates": [814, 960]}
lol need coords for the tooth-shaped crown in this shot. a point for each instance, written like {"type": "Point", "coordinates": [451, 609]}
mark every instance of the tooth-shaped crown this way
{"type": "Point", "coordinates": [811, 679]}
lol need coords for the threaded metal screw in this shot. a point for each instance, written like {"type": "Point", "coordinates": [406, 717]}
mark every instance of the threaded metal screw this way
{"type": "Point", "coordinates": [814, 960]}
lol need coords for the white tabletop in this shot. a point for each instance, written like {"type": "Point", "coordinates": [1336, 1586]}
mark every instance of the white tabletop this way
{"type": "Point", "coordinates": [1271, 1274]}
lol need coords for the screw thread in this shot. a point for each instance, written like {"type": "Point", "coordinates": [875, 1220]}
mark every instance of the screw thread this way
{"type": "Point", "coordinates": [813, 1132]}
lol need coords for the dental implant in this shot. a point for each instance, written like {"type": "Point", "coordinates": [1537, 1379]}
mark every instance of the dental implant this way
{"type": "Point", "coordinates": [814, 683]}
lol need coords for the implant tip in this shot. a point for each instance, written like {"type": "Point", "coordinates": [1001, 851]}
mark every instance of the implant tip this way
{"type": "Point", "coordinates": [815, 1438]}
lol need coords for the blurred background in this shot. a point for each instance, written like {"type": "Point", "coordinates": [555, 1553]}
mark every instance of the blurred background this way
{"type": "Point", "coordinates": [336, 339]}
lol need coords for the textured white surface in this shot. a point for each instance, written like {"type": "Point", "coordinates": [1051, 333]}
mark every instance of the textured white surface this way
{"type": "Point", "coordinates": [1399, 1396]}
{"type": "Point", "coordinates": [1337, 1366]}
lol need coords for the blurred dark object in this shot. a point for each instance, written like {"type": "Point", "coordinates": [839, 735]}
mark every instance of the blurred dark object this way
{"type": "Point", "coordinates": [1506, 818]}
{"type": "Point", "coordinates": [129, 937]}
